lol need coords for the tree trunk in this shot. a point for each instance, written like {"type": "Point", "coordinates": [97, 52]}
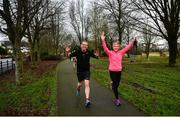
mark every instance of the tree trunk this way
{"type": "Point", "coordinates": [120, 34]}
{"type": "Point", "coordinates": [172, 51]}
{"type": "Point", "coordinates": [56, 51]}
{"type": "Point", "coordinates": [128, 54]}
{"type": "Point", "coordinates": [96, 42]}
{"type": "Point", "coordinates": [38, 50]}
{"type": "Point", "coordinates": [18, 63]}
{"type": "Point", "coordinates": [147, 55]}
{"type": "Point", "coordinates": [147, 51]}
{"type": "Point", "coordinates": [32, 55]}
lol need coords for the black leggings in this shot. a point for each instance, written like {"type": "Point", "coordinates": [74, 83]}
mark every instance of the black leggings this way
{"type": "Point", "coordinates": [115, 77]}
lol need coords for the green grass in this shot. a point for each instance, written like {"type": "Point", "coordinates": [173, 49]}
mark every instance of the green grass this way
{"type": "Point", "coordinates": [36, 95]}
{"type": "Point", "coordinates": [148, 84]}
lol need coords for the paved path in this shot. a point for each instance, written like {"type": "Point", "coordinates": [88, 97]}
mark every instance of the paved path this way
{"type": "Point", "coordinates": [101, 97]}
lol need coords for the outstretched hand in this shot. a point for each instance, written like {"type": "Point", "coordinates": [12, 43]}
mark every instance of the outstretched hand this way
{"type": "Point", "coordinates": [102, 36]}
{"type": "Point", "coordinates": [67, 49]}
{"type": "Point", "coordinates": [96, 53]}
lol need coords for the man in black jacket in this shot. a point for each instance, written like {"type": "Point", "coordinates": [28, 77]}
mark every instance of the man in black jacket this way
{"type": "Point", "coordinates": [83, 68]}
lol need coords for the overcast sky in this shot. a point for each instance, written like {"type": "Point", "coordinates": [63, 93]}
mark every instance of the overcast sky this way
{"type": "Point", "coordinates": [2, 37]}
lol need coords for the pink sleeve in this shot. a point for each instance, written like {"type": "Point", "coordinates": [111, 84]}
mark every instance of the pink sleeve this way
{"type": "Point", "coordinates": [107, 51]}
{"type": "Point", "coordinates": [124, 50]}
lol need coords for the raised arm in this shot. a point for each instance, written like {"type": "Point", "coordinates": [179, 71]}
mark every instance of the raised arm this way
{"type": "Point", "coordinates": [124, 50]}
{"type": "Point", "coordinates": [70, 54]}
{"type": "Point", "coordinates": [106, 50]}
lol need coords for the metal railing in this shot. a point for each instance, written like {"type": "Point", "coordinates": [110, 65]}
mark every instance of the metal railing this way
{"type": "Point", "coordinates": [6, 66]}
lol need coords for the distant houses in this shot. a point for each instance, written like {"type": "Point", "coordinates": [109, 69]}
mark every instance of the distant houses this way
{"type": "Point", "coordinates": [7, 44]}
{"type": "Point", "coordinates": [154, 47]}
{"type": "Point", "coordinates": [159, 47]}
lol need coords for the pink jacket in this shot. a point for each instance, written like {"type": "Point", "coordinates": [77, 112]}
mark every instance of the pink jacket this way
{"type": "Point", "coordinates": [115, 58]}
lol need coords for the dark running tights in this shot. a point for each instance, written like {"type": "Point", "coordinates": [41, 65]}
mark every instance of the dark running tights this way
{"type": "Point", "coordinates": [115, 77]}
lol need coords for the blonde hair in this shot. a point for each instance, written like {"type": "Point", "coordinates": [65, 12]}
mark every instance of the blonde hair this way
{"type": "Point", "coordinates": [116, 42]}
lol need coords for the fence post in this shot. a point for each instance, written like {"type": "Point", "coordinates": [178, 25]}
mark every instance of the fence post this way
{"type": "Point", "coordinates": [1, 67]}
{"type": "Point", "coordinates": [7, 65]}
{"type": "Point", "coordinates": [14, 64]}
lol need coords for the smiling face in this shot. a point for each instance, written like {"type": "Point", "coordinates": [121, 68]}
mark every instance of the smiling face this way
{"type": "Point", "coordinates": [116, 46]}
{"type": "Point", "coordinates": [84, 46]}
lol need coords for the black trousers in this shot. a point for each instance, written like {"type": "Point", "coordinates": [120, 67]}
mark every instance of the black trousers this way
{"type": "Point", "coordinates": [115, 77]}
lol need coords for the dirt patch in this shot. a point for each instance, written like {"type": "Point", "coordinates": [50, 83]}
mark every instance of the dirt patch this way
{"type": "Point", "coordinates": [41, 68]}
{"type": "Point", "coordinates": [44, 66]}
{"type": "Point", "coordinates": [8, 76]}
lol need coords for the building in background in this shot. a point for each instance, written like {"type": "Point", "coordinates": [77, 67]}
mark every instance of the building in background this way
{"type": "Point", "coordinates": [7, 44]}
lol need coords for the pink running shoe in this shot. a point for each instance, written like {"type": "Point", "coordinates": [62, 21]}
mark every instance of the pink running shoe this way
{"type": "Point", "coordinates": [117, 102]}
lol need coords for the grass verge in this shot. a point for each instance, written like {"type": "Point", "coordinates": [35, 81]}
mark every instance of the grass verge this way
{"type": "Point", "coordinates": [148, 84]}
{"type": "Point", "coordinates": [36, 96]}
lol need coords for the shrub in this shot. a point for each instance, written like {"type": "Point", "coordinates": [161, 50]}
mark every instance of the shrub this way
{"type": "Point", "coordinates": [46, 56]}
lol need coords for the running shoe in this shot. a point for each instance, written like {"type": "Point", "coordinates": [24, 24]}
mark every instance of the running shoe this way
{"type": "Point", "coordinates": [78, 93]}
{"type": "Point", "coordinates": [87, 103]}
{"type": "Point", "coordinates": [117, 102]}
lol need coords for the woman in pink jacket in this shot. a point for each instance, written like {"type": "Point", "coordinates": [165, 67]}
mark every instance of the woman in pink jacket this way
{"type": "Point", "coordinates": [115, 64]}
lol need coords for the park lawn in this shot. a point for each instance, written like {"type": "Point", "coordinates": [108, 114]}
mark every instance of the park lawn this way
{"type": "Point", "coordinates": [149, 84]}
{"type": "Point", "coordinates": [36, 95]}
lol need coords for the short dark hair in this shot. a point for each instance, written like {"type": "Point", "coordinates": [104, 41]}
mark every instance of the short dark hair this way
{"type": "Point", "coordinates": [84, 41]}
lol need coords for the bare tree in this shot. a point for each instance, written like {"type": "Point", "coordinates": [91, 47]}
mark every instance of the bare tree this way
{"type": "Point", "coordinates": [35, 28]}
{"type": "Point", "coordinates": [58, 31]}
{"type": "Point", "coordinates": [79, 20]}
{"type": "Point", "coordinates": [74, 21]}
{"type": "Point", "coordinates": [165, 15]}
{"type": "Point", "coordinates": [96, 22]}
{"type": "Point", "coordinates": [127, 31]}
{"type": "Point", "coordinates": [148, 40]}
{"type": "Point", "coordinates": [86, 26]}
{"type": "Point", "coordinates": [42, 22]}
{"type": "Point", "coordinates": [17, 15]}
{"type": "Point", "coordinates": [116, 11]}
